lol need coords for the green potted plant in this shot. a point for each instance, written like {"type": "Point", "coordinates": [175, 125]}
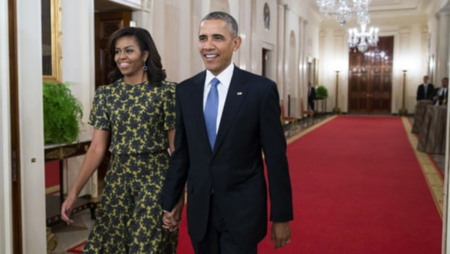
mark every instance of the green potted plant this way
{"type": "Point", "coordinates": [321, 92]}
{"type": "Point", "coordinates": [62, 113]}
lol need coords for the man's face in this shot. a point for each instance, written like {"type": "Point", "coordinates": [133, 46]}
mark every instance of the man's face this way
{"type": "Point", "coordinates": [216, 45]}
{"type": "Point", "coordinates": [444, 82]}
{"type": "Point", "coordinates": [425, 79]}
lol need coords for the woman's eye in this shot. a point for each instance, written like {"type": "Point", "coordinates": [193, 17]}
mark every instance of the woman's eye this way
{"type": "Point", "coordinates": [117, 52]}
{"type": "Point", "coordinates": [129, 51]}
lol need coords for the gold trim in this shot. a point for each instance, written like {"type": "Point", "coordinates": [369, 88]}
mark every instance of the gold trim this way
{"type": "Point", "coordinates": [51, 190]}
{"type": "Point", "coordinates": [431, 173]}
{"type": "Point", "coordinates": [60, 153]}
{"type": "Point", "coordinates": [308, 130]}
{"type": "Point", "coordinates": [55, 11]}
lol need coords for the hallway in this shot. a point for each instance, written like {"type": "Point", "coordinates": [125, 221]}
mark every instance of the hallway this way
{"type": "Point", "coordinates": [326, 201]}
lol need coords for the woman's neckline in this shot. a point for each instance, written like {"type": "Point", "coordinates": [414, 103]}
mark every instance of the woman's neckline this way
{"type": "Point", "coordinates": [137, 84]}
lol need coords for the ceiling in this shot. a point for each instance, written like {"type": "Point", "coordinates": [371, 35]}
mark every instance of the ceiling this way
{"type": "Point", "coordinates": [399, 5]}
{"type": "Point", "coordinates": [394, 7]}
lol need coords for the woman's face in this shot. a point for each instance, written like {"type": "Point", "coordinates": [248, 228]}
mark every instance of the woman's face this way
{"type": "Point", "coordinates": [128, 56]}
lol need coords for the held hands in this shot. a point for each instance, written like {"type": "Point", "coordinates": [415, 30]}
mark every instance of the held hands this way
{"type": "Point", "coordinates": [281, 234]}
{"type": "Point", "coordinates": [66, 209]}
{"type": "Point", "coordinates": [171, 220]}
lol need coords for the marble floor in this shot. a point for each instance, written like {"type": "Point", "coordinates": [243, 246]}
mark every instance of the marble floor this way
{"type": "Point", "coordinates": [69, 236]}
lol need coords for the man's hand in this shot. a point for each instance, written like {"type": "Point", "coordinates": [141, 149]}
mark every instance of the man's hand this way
{"type": "Point", "coordinates": [171, 220]}
{"type": "Point", "coordinates": [281, 234]}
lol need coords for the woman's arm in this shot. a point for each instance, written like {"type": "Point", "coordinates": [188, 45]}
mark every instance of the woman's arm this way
{"type": "Point", "coordinates": [92, 160]}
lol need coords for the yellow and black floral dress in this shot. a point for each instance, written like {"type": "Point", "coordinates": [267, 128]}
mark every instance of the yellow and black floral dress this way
{"type": "Point", "coordinates": [130, 216]}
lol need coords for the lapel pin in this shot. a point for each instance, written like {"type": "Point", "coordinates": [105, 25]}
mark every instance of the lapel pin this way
{"type": "Point", "coordinates": [239, 93]}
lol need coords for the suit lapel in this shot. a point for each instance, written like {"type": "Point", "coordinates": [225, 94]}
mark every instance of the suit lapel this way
{"type": "Point", "coordinates": [197, 103]}
{"type": "Point", "coordinates": [236, 94]}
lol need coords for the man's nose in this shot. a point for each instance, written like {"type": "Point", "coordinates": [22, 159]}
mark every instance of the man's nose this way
{"type": "Point", "coordinates": [207, 44]}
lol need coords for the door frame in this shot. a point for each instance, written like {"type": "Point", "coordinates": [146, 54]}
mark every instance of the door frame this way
{"type": "Point", "coordinates": [6, 237]}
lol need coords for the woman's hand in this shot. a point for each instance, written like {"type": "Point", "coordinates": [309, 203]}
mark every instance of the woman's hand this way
{"type": "Point", "coordinates": [66, 209]}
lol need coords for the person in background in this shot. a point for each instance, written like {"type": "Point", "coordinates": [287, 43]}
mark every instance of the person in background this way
{"type": "Point", "coordinates": [226, 119]}
{"type": "Point", "coordinates": [425, 90]}
{"type": "Point", "coordinates": [440, 96]}
{"type": "Point", "coordinates": [311, 96]}
{"type": "Point", "coordinates": [138, 112]}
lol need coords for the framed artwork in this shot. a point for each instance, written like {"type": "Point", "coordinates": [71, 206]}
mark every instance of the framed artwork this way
{"type": "Point", "coordinates": [51, 40]}
{"type": "Point", "coordinates": [266, 16]}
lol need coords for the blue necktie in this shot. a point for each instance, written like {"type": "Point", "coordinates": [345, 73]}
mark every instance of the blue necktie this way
{"type": "Point", "coordinates": [210, 113]}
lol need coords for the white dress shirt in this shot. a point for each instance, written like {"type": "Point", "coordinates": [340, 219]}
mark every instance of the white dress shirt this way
{"type": "Point", "coordinates": [440, 92]}
{"type": "Point", "coordinates": [225, 79]}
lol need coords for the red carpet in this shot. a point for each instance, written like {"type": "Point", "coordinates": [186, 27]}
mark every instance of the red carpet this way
{"type": "Point", "coordinates": [357, 189]}
{"type": "Point", "coordinates": [77, 248]}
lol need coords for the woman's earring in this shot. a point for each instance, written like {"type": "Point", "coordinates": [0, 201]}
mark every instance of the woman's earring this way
{"type": "Point", "coordinates": [145, 68]}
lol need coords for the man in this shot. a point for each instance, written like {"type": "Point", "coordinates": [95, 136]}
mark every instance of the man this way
{"type": "Point", "coordinates": [311, 96]}
{"type": "Point", "coordinates": [440, 96]}
{"type": "Point", "coordinates": [425, 90]}
{"type": "Point", "coordinates": [226, 118]}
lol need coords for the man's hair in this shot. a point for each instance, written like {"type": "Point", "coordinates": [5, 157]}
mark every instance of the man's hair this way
{"type": "Point", "coordinates": [231, 22]}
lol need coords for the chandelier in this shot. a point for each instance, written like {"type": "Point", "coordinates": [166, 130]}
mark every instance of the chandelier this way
{"type": "Point", "coordinates": [343, 10]}
{"type": "Point", "coordinates": [362, 40]}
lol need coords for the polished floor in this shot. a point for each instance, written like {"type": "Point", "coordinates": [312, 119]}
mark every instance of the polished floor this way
{"type": "Point", "coordinates": [69, 236]}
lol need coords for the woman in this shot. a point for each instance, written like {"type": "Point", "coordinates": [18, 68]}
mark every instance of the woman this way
{"type": "Point", "coordinates": [138, 110]}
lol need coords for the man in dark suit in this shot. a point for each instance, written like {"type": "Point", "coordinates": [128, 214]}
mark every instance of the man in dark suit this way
{"type": "Point", "coordinates": [226, 119]}
{"type": "Point", "coordinates": [311, 96]}
{"type": "Point", "coordinates": [425, 91]}
{"type": "Point", "coordinates": [440, 96]}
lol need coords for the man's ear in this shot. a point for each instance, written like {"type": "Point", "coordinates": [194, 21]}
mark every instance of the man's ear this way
{"type": "Point", "coordinates": [237, 42]}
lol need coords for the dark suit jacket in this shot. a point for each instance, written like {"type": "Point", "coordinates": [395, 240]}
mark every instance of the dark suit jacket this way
{"type": "Point", "coordinates": [441, 97]}
{"type": "Point", "coordinates": [311, 97]}
{"type": "Point", "coordinates": [421, 92]}
{"type": "Point", "coordinates": [250, 124]}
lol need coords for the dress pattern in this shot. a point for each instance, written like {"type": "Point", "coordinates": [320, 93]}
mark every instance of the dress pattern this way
{"type": "Point", "coordinates": [129, 219]}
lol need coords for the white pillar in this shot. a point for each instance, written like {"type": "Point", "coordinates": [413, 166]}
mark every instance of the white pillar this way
{"type": "Point", "coordinates": [442, 68]}
{"type": "Point", "coordinates": [184, 45]}
{"type": "Point", "coordinates": [243, 55]}
{"type": "Point", "coordinates": [281, 47]}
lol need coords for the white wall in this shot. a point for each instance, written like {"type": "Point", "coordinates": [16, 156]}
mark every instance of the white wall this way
{"type": "Point", "coordinates": [78, 68]}
{"type": "Point", "coordinates": [31, 139]}
{"type": "Point", "coordinates": [5, 155]}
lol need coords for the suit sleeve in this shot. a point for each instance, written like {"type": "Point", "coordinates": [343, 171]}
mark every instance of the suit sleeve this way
{"type": "Point", "coordinates": [418, 93]}
{"type": "Point", "coordinates": [179, 162]}
{"type": "Point", "coordinates": [274, 147]}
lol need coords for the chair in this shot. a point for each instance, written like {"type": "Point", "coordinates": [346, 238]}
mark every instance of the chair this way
{"type": "Point", "coordinates": [308, 113]}
{"type": "Point", "coordinates": [290, 119]}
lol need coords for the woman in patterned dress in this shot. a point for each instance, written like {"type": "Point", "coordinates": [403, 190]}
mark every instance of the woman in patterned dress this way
{"type": "Point", "coordinates": [138, 112]}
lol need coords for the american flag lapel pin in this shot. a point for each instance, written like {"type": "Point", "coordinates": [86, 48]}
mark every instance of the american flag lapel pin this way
{"type": "Point", "coordinates": [239, 93]}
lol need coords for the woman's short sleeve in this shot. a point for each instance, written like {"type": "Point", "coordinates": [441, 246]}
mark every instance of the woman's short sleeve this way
{"type": "Point", "coordinates": [99, 117]}
{"type": "Point", "coordinates": [169, 106]}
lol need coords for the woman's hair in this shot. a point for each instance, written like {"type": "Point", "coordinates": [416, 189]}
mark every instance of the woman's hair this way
{"type": "Point", "coordinates": [155, 74]}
